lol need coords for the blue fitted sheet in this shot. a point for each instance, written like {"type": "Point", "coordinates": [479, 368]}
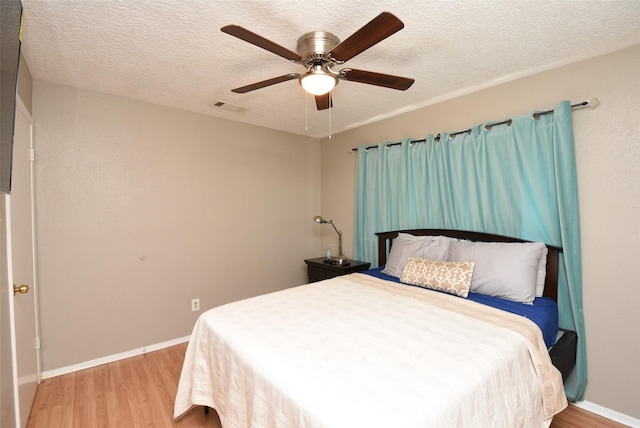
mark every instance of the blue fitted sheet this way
{"type": "Point", "coordinates": [543, 312]}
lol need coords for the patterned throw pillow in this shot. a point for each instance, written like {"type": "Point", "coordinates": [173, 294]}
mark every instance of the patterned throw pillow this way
{"type": "Point", "coordinates": [450, 277]}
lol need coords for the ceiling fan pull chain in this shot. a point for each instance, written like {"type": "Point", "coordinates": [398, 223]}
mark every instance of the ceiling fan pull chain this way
{"type": "Point", "coordinates": [306, 112]}
{"type": "Point", "coordinates": [330, 115]}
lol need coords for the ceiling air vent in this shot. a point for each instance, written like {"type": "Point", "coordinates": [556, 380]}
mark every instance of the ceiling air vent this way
{"type": "Point", "coordinates": [224, 105]}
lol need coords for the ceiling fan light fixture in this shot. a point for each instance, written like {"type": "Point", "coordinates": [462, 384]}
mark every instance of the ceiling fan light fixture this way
{"type": "Point", "coordinates": [318, 82]}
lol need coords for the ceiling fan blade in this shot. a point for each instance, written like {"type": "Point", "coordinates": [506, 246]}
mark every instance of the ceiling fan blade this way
{"type": "Point", "coordinates": [255, 39]}
{"type": "Point", "coordinates": [265, 83]}
{"type": "Point", "coordinates": [378, 29]}
{"type": "Point", "coordinates": [378, 79]}
{"type": "Point", "coordinates": [324, 102]}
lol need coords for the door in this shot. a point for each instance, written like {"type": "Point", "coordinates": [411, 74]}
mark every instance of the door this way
{"type": "Point", "coordinates": [22, 272]}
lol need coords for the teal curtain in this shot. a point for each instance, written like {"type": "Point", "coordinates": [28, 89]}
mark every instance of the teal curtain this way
{"type": "Point", "coordinates": [517, 179]}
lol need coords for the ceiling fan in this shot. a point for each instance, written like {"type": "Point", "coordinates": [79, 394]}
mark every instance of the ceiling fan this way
{"type": "Point", "coordinates": [320, 51]}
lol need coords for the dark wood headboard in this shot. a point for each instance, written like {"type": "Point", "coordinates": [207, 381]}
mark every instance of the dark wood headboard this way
{"type": "Point", "coordinates": [385, 240]}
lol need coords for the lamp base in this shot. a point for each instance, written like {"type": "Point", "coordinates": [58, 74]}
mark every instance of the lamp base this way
{"type": "Point", "coordinates": [343, 261]}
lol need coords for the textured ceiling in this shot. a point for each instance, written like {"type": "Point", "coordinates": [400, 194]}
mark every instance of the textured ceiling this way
{"type": "Point", "coordinates": [172, 52]}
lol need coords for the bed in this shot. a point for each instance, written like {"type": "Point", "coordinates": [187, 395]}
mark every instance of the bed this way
{"type": "Point", "coordinates": [385, 348]}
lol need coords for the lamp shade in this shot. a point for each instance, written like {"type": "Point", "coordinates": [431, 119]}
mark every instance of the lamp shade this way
{"type": "Point", "coordinates": [318, 82]}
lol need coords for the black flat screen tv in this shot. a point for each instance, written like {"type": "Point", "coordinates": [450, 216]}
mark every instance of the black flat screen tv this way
{"type": "Point", "coordinates": [10, 27]}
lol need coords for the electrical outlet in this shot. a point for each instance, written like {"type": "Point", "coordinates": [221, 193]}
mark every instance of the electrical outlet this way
{"type": "Point", "coordinates": [195, 305]}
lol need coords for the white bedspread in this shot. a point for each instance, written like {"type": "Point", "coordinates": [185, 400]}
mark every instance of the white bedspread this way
{"type": "Point", "coordinates": [357, 351]}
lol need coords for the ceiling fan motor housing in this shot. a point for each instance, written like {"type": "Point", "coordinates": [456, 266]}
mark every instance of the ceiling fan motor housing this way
{"type": "Point", "coordinates": [315, 47]}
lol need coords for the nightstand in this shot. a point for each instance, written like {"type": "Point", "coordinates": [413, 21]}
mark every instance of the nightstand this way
{"type": "Point", "coordinates": [318, 270]}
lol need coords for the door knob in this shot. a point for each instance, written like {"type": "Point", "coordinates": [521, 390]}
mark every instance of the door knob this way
{"type": "Point", "coordinates": [20, 289]}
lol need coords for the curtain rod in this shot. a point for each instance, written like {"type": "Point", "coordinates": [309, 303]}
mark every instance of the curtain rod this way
{"type": "Point", "coordinates": [536, 116]}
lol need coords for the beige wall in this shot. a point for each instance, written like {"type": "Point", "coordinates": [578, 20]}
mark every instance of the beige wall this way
{"type": "Point", "coordinates": [142, 208]}
{"type": "Point", "coordinates": [608, 160]}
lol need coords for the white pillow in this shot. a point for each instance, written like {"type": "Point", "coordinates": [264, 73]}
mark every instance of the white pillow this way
{"type": "Point", "coordinates": [407, 245]}
{"type": "Point", "coordinates": [542, 272]}
{"type": "Point", "coordinates": [508, 270]}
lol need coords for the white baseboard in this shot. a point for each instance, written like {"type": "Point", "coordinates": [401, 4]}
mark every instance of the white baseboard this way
{"type": "Point", "coordinates": [111, 358]}
{"type": "Point", "coordinates": [608, 413]}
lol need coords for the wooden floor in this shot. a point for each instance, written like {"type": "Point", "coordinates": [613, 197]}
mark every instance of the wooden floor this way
{"type": "Point", "coordinates": [140, 391]}
{"type": "Point", "coordinates": [136, 392]}
{"type": "Point", "coordinates": [574, 417]}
